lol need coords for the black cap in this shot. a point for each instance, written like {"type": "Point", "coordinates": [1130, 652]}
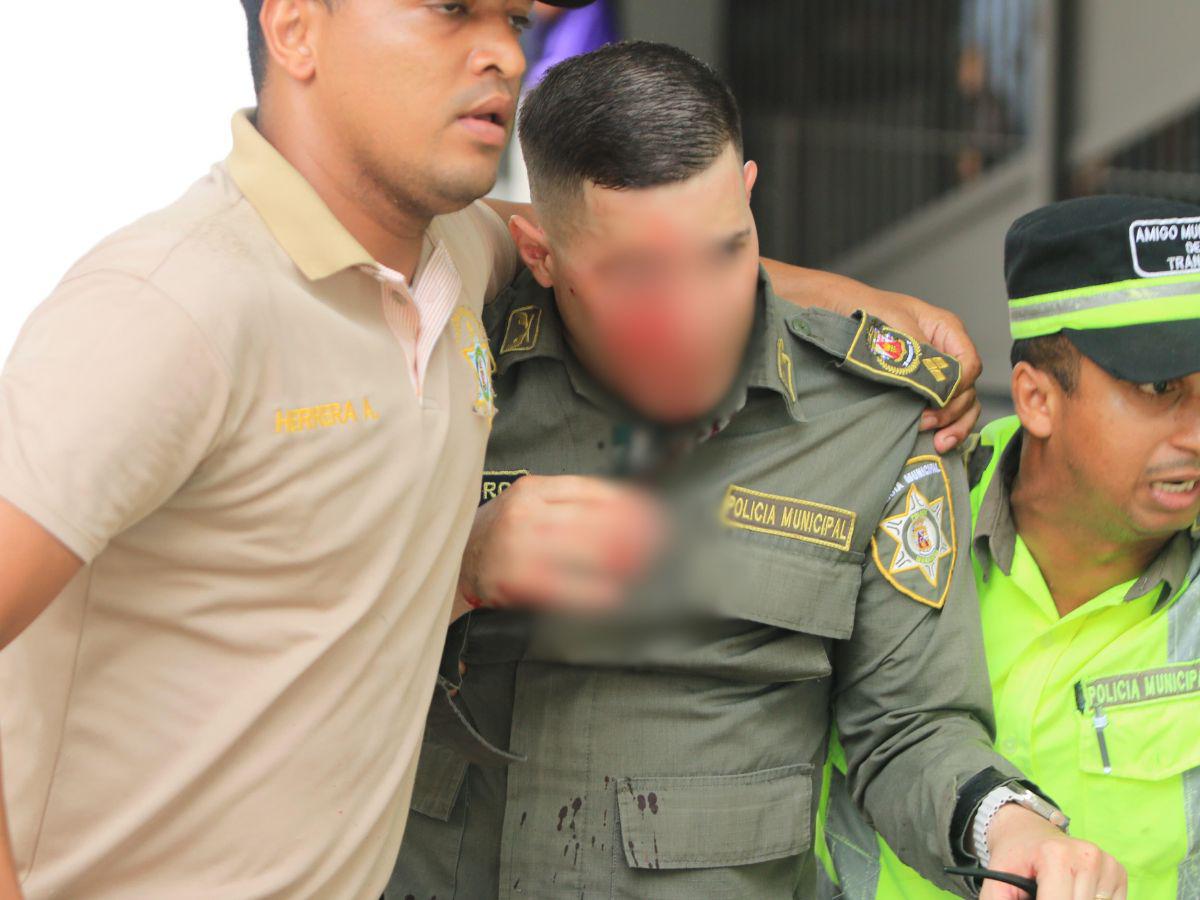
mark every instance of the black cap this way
{"type": "Point", "coordinates": [1118, 276]}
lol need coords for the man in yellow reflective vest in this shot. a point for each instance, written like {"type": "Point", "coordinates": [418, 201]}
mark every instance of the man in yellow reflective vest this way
{"type": "Point", "coordinates": [1084, 508]}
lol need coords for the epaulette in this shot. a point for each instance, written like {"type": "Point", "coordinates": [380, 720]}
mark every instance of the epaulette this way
{"type": "Point", "coordinates": [876, 351]}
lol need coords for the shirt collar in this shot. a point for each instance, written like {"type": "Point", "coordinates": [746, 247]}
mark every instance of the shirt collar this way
{"type": "Point", "coordinates": [766, 363]}
{"type": "Point", "coordinates": [1169, 569]}
{"type": "Point", "coordinates": [995, 537]}
{"type": "Point", "coordinates": [294, 213]}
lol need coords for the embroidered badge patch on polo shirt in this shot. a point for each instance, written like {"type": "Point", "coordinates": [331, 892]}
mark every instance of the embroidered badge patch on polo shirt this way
{"type": "Point", "coordinates": [473, 344]}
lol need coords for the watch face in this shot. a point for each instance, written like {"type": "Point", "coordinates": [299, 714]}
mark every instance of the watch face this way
{"type": "Point", "coordinates": [1047, 811]}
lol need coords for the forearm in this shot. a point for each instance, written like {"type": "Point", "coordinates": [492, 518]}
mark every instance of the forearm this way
{"type": "Point", "coordinates": [913, 785]}
{"type": "Point", "coordinates": [10, 887]}
{"type": "Point", "coordinates": [812, 287]}
{"type": "Point", "coordinates": [913, 699]}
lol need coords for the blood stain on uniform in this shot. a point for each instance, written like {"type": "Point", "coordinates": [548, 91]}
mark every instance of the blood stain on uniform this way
{"type": "Point", "coordinates": [652, 798]}
{"type": "Point", "coordinates": [562, 815]}
{"type": "Point", "coordinates": [524, 815]}
{"type": "Point", "coordinates": [641, 798]}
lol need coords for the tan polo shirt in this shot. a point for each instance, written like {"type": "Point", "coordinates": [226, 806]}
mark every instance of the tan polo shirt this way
{"type": "Point", "coordinates": [213, 411]}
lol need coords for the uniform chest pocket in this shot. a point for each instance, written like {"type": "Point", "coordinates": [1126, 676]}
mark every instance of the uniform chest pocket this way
{"type": "Point", "coordinates": [1135, 725]}
{"type": "Point", "coordinates": [704, 822]}
{"type": "Point", "coordinates": [810, 590]}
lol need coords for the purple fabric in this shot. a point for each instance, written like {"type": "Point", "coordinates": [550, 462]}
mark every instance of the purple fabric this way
{"type": "Point", "coordinates": [575, 31]}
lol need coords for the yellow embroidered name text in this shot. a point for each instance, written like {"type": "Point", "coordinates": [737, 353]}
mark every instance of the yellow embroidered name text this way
{"type": "Point", "coordinates": [325, 415]}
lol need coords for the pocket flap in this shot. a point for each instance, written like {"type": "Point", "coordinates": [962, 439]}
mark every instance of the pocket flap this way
{"type": "Point", "coordinates": [808, 590]}
{"type": "Point", "coordinates": [1142, 716]}
{"type": "Point", "coordinates": [709, 821]}
{"type": "Point", "coordinates": [440, 774]}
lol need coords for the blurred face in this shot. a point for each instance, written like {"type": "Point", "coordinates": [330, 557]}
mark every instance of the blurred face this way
{"type": "Point", "coordinates": [421, 94]}
{"type": "Point", "coordinates": [1133, 451]}
{"type": "Point", "coordinates": [657, 287]}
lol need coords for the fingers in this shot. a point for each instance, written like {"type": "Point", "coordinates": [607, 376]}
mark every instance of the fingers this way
{"type": "Point", "coordinates": [947, 333]}
{"type": "Point", "coordinates": [564, 542]}
{"type": "Point", "coordinates": [1068, 869]}
{"type": "Point", "coordinates": [954, 422]}
{"type": "Point", "coordinates": [1113, 881]}
{"type": "Point", "coordinates": [1087, 879]}
{"type": "Point", "coordinates": [1097, 875]}
{"type": "Point", "coordinates": [462, 670]}
{"type": "Point", "coordinates": [573, 489]}
{"type": "Point", "coordinates": [998, 890]}
{"type": "Point", "coordinates": [958, 406]}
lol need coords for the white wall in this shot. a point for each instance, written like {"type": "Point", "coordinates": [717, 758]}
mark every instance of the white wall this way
{"type": "Point", "coordinates": [111, 110]}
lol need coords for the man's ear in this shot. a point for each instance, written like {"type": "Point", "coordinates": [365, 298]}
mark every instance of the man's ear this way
{"type": "Point", "coordinates": [534, 248]}
{"type": "Point", "coordinates": [750, 175]}
{"type": "Point", "coordinates": [290, 30]}
{"type": "Point", "coordinates": [1037, 399]}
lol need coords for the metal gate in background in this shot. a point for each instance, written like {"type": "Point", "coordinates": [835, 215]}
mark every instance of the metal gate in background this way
{"type": "Point", "coordinates": [862, 112]}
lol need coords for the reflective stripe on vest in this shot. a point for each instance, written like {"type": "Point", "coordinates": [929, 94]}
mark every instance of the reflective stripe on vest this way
{"type": "Point", "coordinates": [1183, 645]}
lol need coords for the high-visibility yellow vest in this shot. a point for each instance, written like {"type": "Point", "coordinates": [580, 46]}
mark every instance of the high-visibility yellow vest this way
{"type": "Point", "coordinates": [1100, 708]}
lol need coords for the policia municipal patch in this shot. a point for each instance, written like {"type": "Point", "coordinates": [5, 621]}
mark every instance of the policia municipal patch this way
{"type": "Point", "coordinates": [915, 545]}
{"type": "Point", "coordinates": [789, 517]}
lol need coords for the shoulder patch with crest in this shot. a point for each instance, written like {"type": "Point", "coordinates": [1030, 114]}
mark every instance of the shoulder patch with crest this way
{"type": "Point", "coordinates": [884, 353]}
{"type": "Point", "coordinates": [915, 545]}
{"type": "Point", "coordinates": [522, 331]}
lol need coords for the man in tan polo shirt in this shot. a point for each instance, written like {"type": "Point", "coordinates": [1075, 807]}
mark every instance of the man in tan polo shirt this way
{"type": "Point", "coordinates": [240, 447]}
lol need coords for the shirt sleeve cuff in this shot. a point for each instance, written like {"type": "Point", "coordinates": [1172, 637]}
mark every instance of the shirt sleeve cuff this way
{"type": "Point", "coordinates": [76, 539]}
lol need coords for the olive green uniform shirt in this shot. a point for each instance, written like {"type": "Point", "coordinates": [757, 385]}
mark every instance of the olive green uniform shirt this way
{"type": "Point", "coordinates": [683, 758]}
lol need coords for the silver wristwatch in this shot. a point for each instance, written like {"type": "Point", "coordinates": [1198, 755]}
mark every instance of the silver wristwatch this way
{"type": "Point", "coordinates": [1002, 796]}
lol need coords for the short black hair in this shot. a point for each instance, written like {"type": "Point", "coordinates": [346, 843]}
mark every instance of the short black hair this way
{"type": "Point", "coordinates": [1053, 353]}
{"type": "Point", "coordinates": [255, 43]}
{"type": "Point", "coordinates": [630, 115]}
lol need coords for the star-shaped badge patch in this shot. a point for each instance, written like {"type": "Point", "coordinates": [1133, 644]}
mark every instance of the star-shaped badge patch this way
{"type": "Point", "coordinates": [918, 535]}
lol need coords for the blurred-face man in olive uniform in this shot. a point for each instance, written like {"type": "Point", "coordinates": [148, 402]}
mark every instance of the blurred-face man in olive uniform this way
{"type": "Point", "coordinates": [676, 749]}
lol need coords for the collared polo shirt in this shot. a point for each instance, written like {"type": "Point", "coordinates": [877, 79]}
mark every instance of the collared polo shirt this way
{"type": "Point", "coordinates": [269, 475]}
